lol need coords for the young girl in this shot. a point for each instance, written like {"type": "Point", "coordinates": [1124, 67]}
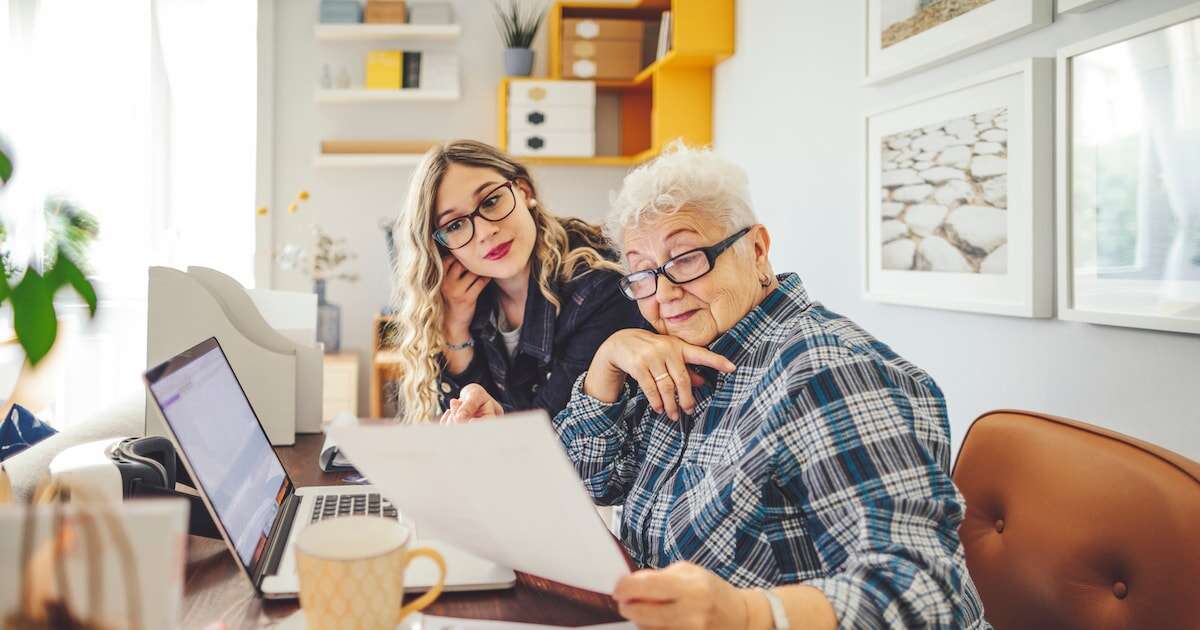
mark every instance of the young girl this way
{"type": "Point", "coordinates": [494, 290]}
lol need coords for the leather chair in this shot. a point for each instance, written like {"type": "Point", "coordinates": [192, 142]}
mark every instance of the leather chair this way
{"type": "Point", "coordinates": [1073, 526]}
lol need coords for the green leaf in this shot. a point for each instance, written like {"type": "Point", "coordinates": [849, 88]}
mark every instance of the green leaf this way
{"type": "Point", "coordinates": [5, 291]}
{"type": "Point", "coordinates": [6, 168]}
{"type": "Point", "coordinates": [65, 271]}
{"type": "Point", "coordinates": [34, 320]}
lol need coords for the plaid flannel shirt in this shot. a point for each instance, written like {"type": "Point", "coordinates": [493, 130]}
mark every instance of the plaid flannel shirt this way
{"type": "Point", "coordinates": [821, 459]}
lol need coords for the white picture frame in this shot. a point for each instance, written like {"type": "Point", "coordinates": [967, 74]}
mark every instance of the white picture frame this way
{"type": "Point", "coordinates": [1080, 6]}
{"type": "Point", "coordinates": [1103, 291]}
{"type": "Point", "coordinates": [1023, 285]}
{"type": "Point", "coordinates": [989, 24]}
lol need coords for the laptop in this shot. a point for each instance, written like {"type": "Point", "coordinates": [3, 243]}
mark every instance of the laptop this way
{"type": "Point", "coordinates": [248, 494]}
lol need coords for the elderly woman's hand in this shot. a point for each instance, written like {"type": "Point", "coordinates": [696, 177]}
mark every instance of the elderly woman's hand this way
{"type": "Point", "coordinates": [682, 595]}
{"type": "Point", "coordinates": [473, 403]}
{"type": "Point", "coordinates": [657, 362]}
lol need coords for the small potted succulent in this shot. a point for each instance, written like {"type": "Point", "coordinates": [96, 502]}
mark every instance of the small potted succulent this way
{"type": "Point", "coordinates": [518, 28]}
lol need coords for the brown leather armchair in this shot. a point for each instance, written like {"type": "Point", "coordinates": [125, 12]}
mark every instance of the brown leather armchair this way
{"type": "Point", "coordinates": [1073, 526]}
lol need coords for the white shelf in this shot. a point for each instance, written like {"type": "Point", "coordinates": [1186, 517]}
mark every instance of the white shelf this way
{"type": "Point", "coordinates": [384, 96]}
{"type": "Point", "coordinates": [368, 32]}
{"type": "Point", "coordinates": [357, 160]}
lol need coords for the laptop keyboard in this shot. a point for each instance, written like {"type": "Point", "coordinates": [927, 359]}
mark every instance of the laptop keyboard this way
{"type": "Point", "coordinates": [327, 506]}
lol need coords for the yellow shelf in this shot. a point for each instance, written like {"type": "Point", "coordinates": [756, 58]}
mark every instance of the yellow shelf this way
{"type": "Point", "coordinates": [599, 160]}
{"type": "Point", "coordinates": [668, 100]}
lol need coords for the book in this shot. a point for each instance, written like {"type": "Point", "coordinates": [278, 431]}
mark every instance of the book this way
{"type": "Point", "coordinates": [412, 69]}
{"type": "Point", "coordinates": [439, 71]}
{"type": "Point", "coordinates": [664, 36]}
{"type": "Point", "coordinates": [384, 70]}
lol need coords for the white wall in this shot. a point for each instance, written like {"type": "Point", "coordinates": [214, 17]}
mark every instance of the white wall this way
{"type": "Point", "coordinates": [350, 202]}
{"type": "Point", "coordinates": [789, 108]}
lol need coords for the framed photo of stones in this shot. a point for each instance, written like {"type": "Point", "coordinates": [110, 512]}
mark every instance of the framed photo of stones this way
{"type": "Point", "coordinates": [1079, 6]}
{"type": "Point", "coordinates": [959, 196]}
{"type": "Point", "coordinates": [1128, 189]}
{"type": "Point", "coordinates": [906, 36]}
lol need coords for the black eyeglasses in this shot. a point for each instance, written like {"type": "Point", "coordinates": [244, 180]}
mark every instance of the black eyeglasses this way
{"type": "Point", "coordinates": [681, 269]}
{"type": "Point", "coordinates": [495, 207]}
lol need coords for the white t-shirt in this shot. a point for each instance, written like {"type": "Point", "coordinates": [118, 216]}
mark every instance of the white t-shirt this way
{"type": "Point", "coordinates": [510, 337]}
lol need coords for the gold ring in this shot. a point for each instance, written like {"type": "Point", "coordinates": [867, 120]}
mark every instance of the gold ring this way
{"type": "Point", "coordinates": [661, 376]}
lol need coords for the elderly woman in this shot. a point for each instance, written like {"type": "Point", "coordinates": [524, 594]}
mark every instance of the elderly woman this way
{"type": "Point", "coordinates": [778, 465]}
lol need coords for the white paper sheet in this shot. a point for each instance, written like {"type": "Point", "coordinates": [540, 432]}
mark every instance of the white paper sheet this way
{"type": "Point", "coordinates": [500, 488]}
{"type": "Point", "coordinates": [418, 621]}
{"type": "Point", "coordinates": [429, 622]}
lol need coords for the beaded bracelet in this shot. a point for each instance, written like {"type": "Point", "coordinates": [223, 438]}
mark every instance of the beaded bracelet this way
{"type": "Point", "coordinates": [469, 343]}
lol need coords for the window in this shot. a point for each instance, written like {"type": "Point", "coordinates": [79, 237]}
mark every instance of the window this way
{"type": "Point", "coordinates": [143, 114]}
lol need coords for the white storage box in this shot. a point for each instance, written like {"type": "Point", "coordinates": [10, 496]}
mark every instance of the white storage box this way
{"type": "Point", "coordinates": [552, 143]}
{"type": "Point", "coordinates": [553, 118]}
{"type": "Point", "coordinates": [549, 93]}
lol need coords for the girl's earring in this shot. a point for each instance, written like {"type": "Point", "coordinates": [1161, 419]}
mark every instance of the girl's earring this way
{"type": "Point", "coordinates": [533, 203]}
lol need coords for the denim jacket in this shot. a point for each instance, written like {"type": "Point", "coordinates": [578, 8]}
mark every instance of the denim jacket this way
{"type": "Point", "coordinates": [553, 350]}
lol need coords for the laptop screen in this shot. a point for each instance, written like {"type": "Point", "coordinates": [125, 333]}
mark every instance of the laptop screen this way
{"type": "Point", "coordinates": [220, 436]}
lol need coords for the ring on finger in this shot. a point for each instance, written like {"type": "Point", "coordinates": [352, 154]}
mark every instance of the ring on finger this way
{"type": "Point", "coordinates": [662, 376]}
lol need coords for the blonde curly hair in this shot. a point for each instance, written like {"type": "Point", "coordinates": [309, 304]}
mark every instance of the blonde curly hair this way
{"type": "Point", "coordinates": [417, 334]}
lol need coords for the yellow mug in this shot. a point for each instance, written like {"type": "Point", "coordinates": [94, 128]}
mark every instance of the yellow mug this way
{"type": "Point", "coordinates": [352, 573]}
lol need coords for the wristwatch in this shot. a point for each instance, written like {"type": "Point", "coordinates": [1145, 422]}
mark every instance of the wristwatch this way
{"type": "Point", "coordinates": [778, 614]}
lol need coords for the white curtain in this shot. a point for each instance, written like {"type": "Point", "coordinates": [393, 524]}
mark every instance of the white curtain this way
{"type": "Point", "coordinates": [142, 112]}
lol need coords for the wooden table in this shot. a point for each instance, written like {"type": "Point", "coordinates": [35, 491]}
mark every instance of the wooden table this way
{"type": "Point", "coordinates": [215, 589]}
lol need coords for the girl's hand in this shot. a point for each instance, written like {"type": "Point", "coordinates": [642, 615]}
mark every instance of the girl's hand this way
{"type": "Point", "coordinates": [460, 291]}
{"type": "Point", "coordinates": [473, 403]}
{"type": "Point", "coordinates": [657, 362]}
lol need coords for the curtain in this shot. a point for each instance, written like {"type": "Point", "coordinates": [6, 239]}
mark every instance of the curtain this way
{"type": "Point", "coordinates": [141, 112]}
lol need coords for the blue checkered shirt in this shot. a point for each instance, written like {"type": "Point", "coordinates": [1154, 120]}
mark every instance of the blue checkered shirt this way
{"type": "Point", "coordinates": [821, 459]}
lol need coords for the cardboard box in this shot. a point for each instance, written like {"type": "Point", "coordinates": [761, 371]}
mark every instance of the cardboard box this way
{"type": "Point", "coordinates": [340, 12]}
{"type": "Point", "coordinates": [385, 12]}
{"type": "Point", "coordinates": [602, 48]}
{"type": "Point", "coordinates": [606, 29]}
{"type": "Point", "coordinates": [430, 13]}
{"type": "Point", "coordinates": [385, 70]}
{"type": "Point", "coordinates": [601, 59]}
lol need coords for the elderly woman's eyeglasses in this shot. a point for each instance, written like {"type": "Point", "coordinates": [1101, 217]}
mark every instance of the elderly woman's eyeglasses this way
{"type": "Point", "coordinates": [681, 269]}
{"type": "Point", "coordinates": [495, 207]}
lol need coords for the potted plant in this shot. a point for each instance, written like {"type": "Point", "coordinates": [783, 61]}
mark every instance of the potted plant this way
{"type": "Point", "coordinates": [517, 29]}
{"type": "Point", "coordinates": [34, 320]}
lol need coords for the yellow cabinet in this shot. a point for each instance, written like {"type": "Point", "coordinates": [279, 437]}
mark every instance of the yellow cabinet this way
{"type": "Point", "coordinates": [671, 98]}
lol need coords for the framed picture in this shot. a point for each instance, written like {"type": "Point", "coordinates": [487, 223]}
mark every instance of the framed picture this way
{"type": "Point", "coordinates": [1128, 190]}
{"type": "Point", "coordinates": [906, 36]}
{"type": "Point", "coordinates": [1079, 6]}
{"type": "Point", "coordinates": [959, 196]}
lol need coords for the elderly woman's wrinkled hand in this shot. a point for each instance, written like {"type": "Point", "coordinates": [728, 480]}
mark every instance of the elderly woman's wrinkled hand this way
{"type": "Point", "coordinates": [473, 403]}
{"type": "Point", "coordinates": [682, 595]}
{"type": "Point", "coordinates": [659, 364]}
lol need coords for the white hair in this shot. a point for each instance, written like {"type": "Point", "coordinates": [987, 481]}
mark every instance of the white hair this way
{"type": "Point", "coordinates": [682, 177]}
